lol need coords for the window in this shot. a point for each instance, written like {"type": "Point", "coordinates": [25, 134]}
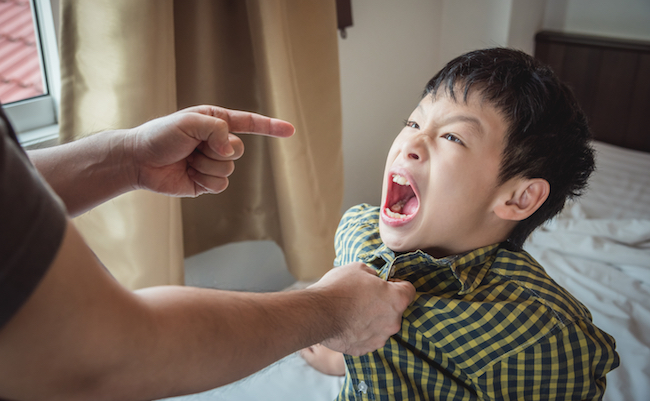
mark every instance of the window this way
{"type": "Point", "coordinates": [21, 75]}
{"type": "Point", "coordinates": [29, 69]}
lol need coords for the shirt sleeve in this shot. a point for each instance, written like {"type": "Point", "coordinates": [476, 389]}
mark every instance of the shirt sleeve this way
{"type": "Point", "coordinates": [339, 238]}
{"type": "Point", "coordinates": [33, 221]}
{"type": "Point", "coordinates": [350, 233]}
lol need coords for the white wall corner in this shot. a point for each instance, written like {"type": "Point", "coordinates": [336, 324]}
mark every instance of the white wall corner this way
{"type": "Point", "coordinates": [555, 15]}
{"type": "Point", "coordinates": [469, 25]}
{"type": "Point", "coordinates": [526, 19]}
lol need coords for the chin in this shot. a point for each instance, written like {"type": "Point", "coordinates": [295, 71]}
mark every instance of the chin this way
{"type": "Point", "coordinates": [393, 241]}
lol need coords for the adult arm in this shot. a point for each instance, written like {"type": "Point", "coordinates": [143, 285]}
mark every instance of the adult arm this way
{"type": "Point", "coordinates": [83, 336]}
{"type": "Point", "coordinates": [186, 153]}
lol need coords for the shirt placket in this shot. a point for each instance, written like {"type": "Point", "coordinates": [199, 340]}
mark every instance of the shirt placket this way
{"type": "Point", "coordinates": [363, 387]}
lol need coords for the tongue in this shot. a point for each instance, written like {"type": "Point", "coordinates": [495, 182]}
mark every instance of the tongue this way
{"type": "Point", "coordinates": [411, 206]}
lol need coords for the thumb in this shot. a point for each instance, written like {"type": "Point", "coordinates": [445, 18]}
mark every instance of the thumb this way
{"type": "Point", "coordinates": [404, 287]}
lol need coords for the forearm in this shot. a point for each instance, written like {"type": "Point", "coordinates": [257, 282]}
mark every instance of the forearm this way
{"type": "Point", "coordinates": [212, 338]}
{"type": "Point", "coordinates": [87, 172]}
{"type": "Point", "coordinates": [83, 336]}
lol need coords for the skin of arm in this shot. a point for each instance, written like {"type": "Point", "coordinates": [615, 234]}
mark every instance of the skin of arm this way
{"type": "Point", "coordinates": [82, 336]}
{"type": "Point", "coordinates": [324, 360]}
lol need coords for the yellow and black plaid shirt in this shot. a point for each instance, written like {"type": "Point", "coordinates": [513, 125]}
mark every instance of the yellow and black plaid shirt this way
{"type": "Point", "coordinates": [489, 324]}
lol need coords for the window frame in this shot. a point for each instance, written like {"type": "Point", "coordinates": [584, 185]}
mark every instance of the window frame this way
{"type": "Point", "coordinates": [35, 120]}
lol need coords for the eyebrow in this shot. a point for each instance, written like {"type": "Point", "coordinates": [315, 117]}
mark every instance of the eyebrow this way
{"type": "Point", "coordinates": [458, 118]}
{"type": "Point", "coordinates": [464, 119]}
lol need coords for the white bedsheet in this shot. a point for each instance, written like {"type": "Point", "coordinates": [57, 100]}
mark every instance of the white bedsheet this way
{"type": "Point", "coordinates": [606, 265]}
{"type": "Point", "coordinates": [620, 186]}
{"type": "Point", "coordinates": [289, 379]}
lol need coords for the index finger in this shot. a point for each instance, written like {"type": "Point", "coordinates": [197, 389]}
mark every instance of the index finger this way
{"type": "Point", "coordinates": [244, 122]}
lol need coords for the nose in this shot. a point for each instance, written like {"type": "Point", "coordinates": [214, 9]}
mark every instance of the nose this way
{"type": "Point", "coordinates": [415, 147]}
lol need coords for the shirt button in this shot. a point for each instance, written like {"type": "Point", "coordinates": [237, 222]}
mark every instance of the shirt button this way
{"type": "Point", "coordinates": [362, 386]}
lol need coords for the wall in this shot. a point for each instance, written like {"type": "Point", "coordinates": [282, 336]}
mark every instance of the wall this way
{"type": "Point", "coordinates": [628, 19]}
{"type": "Point", "coordinates": [388, 56]}
{"type": "Point", "coordinates": [472, 26]}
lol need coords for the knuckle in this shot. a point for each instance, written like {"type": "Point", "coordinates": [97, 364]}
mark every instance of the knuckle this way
{"type": "Point", "coordinates": [221, 124]}
{"type": "Point", "coordinates": [379, 343]}
{"type": "Point", "coordinates": [228, 168]}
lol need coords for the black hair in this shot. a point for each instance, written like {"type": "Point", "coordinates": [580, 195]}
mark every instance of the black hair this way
{"type": "Point", "coordinates": [548, 136]}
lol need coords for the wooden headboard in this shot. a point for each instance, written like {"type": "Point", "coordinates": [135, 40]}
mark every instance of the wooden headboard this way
{"type": "Point", "coordinates": [611, 79]}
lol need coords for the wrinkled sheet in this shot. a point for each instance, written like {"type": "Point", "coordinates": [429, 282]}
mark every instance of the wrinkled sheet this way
{"type": "Point", "coordinates": [289, 379]}
{"type": "Point", "coordinates": [605, 263]}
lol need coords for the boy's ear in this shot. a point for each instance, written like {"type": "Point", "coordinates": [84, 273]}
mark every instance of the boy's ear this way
{"type": "Point", "coordinates": [523, 200]}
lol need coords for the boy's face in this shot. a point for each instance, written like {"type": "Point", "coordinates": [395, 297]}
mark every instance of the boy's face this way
{"type": "Point", "coordinates": [441, 176]}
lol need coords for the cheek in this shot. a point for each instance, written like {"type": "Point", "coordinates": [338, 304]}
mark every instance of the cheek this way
{"type": "Point", "coordinates": [392, 155]}
{"type": "Point", "coordinates": [447, 177]}
{"type": "Point", "coordinates": [457, 188]}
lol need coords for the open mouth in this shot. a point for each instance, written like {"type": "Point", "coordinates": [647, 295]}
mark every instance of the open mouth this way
{"type": "Point", "coordinates": [401, 200]}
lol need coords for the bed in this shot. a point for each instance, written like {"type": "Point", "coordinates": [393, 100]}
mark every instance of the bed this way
{"type": "Point", "coordinates": [598, 247]}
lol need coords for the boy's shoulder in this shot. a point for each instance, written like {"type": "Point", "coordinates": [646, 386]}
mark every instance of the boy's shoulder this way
{"type": "Point", "coordinates": [521, 269]}
{"type": "Point", "coordinates": [357, 233]}
{"type": "Point", "coordinates": [359, 220]}
{"type": "Point", "coordinates": [362, 213]}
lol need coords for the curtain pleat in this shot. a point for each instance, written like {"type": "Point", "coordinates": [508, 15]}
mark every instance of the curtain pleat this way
{"type": "Point", "coordinates": [215, 65]}
{"type": "Point", "coordinates": [118, 71]}
{"type": "Point", "coordinates": [296, 50]}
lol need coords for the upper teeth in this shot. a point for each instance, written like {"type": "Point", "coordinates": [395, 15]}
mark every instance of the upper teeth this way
{"type": "Point", "coordinates": [398, 179]}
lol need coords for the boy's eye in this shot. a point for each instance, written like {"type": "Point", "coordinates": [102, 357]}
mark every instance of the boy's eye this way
{"type": "Point", "coordinates": [453, 138]}
{"type": "Point", "coordinates": [411, 124]}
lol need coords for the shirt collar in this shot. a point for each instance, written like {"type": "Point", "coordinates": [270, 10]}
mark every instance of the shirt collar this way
{"type": "Point", "coordinates": [468, 268]}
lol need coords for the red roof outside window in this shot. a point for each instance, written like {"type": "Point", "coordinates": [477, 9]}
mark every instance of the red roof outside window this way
{"type": "Point", "coordinates": [20, 66]}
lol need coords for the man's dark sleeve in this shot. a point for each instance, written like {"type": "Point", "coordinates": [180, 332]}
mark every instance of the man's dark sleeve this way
{"type": "Point", "coordinates": [32, 224]}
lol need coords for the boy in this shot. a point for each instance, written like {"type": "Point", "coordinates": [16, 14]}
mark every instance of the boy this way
{"type": "Point", "coordinates": [494, 149]}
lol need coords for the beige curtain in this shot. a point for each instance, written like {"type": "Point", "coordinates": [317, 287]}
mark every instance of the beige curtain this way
{"type": "Point", "coordinates": [124, 62]}
{"type": "Point", "coordinates": [118, 71]}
